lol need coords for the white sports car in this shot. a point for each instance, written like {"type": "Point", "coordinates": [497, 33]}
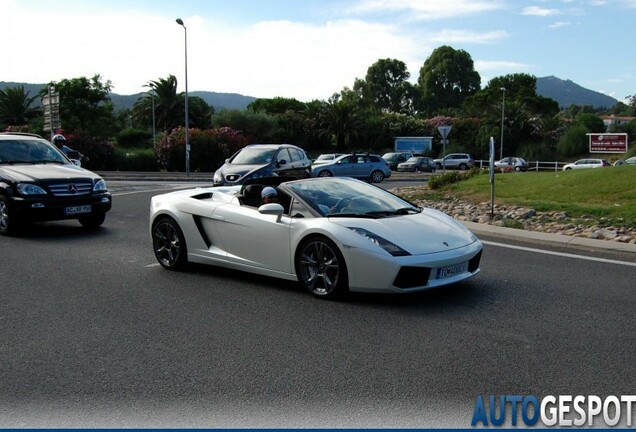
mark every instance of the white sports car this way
{"type": "Point", "coordinates": [331, 234]}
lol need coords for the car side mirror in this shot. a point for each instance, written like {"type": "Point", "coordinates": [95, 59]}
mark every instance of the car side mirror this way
{"type": "Point", "coordinates": [272, 209]}
{"type": "Point", "coordinates": [76, 162]}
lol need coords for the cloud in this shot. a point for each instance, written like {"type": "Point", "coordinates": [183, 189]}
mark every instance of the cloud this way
{"type": "Point", "coordinates": [537, 11]}
{"type": "Point", "coordinates": [427, 9]}
{"type": "Point", "coordinates": [560, 24]}
{"type": "Point", "coordinates": [465, 36]}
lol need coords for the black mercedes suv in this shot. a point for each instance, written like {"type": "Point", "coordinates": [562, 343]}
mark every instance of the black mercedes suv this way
{"type": "Point", "coordinates": [39, 183]}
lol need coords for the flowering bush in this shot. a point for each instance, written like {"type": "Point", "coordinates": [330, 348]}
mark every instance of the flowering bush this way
{"type": "Point", "coordinates": [208, 148]}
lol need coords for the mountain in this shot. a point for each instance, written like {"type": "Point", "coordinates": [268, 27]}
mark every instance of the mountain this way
{"type": "Point", "coordinates": [567, 93]}
{"type": "Point", "coordinates": [218, 100]}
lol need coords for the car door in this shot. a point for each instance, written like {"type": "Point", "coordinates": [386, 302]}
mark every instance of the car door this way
{"type": "Point", "coordinates": [283, 161]}
{"type": "Point", "coordinates": [346, 167]}
{"type": "Point", "coordinates": [300, 164]}
{"type": "Point", "coordinates": [363, 167]}
{"type": "Point", "coordinates": [253, 239]}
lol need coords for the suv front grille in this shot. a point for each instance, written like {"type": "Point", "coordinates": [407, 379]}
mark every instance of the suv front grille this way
{"type": "Point", "coordinates": [71, 189]}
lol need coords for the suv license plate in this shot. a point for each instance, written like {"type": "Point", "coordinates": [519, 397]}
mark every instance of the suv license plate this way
{"type": "Point", "coordinates": [445, 272]}
{"type": "Point", "coordinates": [77, 210]}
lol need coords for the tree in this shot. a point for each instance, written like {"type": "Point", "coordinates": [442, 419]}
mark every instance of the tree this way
{"type": "Point", "coordinates": [277, 105]}
{"type": "Point", "coordinates": [591, 122]}
{"type": "Point", "coordinates": [85, 106]}
{"type": "Point", "coordinates": [16, 106]}
{"type": "Point", "coordinates": [339, 119]}
{"type": "Point", "coordinates": [386, 87]}
{"type": "Point", "coordinates": [446, 79]}
{"type": "Point", "coordinates": [168, 105]}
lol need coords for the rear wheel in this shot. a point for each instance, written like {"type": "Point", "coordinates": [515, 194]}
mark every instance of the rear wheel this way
{"type": "Point", "coordinates": [93, 221]}
{"type": "Point", "coordinates": [321, 268]}
{"type": "Point", "coordinates": [169, 244]}
{"type": "Point", "coordinates": [377, 176]}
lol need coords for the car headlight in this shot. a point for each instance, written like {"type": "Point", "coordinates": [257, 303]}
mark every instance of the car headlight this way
{"type": "Point", "coordinates": [218, 177]}
{"type": "Point", "coordinates": [100, 186]}
{"type": "Point", "coordinates": [391, 248]}
{"type": "Point", "coordinates": [30, 189]}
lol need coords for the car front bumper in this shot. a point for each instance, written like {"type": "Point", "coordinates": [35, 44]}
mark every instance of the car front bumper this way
{"type": "Point", "coordinates": [40, 209]}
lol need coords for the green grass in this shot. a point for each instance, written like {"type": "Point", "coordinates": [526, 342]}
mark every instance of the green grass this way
{"type": "Point", "coordinates": [603, 192]}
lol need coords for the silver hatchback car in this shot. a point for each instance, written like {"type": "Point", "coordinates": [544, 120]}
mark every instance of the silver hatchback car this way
{"type": "Point", "coordinates": [362, 166]}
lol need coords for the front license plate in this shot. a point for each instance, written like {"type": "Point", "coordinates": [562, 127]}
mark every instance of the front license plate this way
{"type": "Point", "coordinates": [445, 272]}
{"type": "Point", "coordinates": [77, 210]}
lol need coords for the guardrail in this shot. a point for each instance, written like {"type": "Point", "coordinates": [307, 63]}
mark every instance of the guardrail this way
{"type": "Point", "coordinates": [532, 165]}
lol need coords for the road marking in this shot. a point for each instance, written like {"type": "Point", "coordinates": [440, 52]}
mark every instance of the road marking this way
{"type": "Point", "coordinates": [146, 191]}
{"type": "Point", "coordinates": [152, 265]}
{"type": "Point", "coordinates": [561, 254]}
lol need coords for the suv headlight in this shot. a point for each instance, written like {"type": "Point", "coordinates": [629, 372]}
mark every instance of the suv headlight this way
{"type": "Point", "coordinates": [100, 186]}
{"type": "Point", "coordinates": [218, 177]}
{"type": "Point", "coordinates": [30, 189]}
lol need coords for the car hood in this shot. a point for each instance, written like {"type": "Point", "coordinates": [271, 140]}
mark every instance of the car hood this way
{"type": "Point", "coordinates": [427, 232]}
{"type": "Point", "coordinates": [20, 173]}
{"type": "Point", "coordinates": [240, 170]}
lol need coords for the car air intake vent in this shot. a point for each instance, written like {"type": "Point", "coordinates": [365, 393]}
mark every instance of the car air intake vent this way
{"type": "Point", "coordinates": [71, 188]}
{"type": "Point", "coordinates": [410, 277]}
{"type": "Point", "coordinates": [232, 177]}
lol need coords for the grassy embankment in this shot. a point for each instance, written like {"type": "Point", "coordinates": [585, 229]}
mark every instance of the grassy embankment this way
{"type": "Point", "coordinates": [602, 193]}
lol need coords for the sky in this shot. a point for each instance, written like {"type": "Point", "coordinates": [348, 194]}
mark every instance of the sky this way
{"type": "Point", "coordinates": [311, 49]}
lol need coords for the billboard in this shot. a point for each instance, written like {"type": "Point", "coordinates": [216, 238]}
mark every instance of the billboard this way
{"type": "Point", "coordinates": [608, 142]}
{"type": "Point", "coordinates": [415, 145]}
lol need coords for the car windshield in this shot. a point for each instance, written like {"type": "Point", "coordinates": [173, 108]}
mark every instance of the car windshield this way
{"type": "Point", "coordinates": [413, 160]}
{"type": "Point", "coordinates": [254, 156]}
{"type": "Point", "coordinates": [33, 151]}
{"type": "Point", "coordinates": [344, 197]}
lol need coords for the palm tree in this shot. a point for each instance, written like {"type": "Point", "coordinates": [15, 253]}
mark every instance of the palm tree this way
{"type": "Point", "coordinates": [168, 104]}
{"type": "Point", "coordinates": [15, 106]}
{"type": "Point", "coordinates": [339, 118]}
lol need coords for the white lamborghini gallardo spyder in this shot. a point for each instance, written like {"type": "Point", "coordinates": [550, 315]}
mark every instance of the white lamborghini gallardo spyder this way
{"type": "Point", "coordinates": [333, 235]}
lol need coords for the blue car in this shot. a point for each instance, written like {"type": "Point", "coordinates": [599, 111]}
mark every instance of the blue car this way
{"type": "Point", "coordinates": [362, 166]}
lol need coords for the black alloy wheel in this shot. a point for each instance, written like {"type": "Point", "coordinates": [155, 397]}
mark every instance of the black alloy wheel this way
{"type": "Point", "coordinates": [169, 244]}
{"type": "Point", "coordinates": [321, 268]}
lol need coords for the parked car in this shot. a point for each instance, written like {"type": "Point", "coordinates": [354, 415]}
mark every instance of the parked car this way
{"type": "Point", "coordinates": [263, 160]}
{"type": "Point", "coordinates": [327, 157]}
{"type": "Point", "coordinates": [586, 163]}
{"type": "Point", "coordinates": [39, 183]}
{"type": "Point", "coordinates": [512, 164]}
{"type": "Point", "coordinates": [367, 239]}
{"type": "Point", "coordinates": [461, 161]}
{"type": "Point", "coordinates": [631, 161]}
{"type": "Point", "coordinates": [417, 164]}
{"type": "Point", "coordinates": [396, 158]}
{"type": "Point", "coordinates": [362, 166]}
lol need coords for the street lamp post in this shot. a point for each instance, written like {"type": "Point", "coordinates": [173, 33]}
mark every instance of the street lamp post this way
{"type": "Point", "coordinates": [154, 128]}
{"type": "Point", "coordinates": [187, 138]}
{"type": "Point", "coordinates": [503, 104]}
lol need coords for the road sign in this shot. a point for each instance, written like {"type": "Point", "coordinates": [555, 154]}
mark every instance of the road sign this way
{"type": "Point", "coordinates": [444, 131]}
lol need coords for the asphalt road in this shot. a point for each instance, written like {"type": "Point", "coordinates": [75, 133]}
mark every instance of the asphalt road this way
{"type": "Point", "coordinates": [93, 333]}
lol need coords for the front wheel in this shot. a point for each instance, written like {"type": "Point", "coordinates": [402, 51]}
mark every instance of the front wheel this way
{"type": "Point", "coordinates": [325, 173]}
{"type": "Point", "coordinates": [517, 168]}
{"type": "Point", "coordinates": [321, 268]}
{"type": "Point", "coordinates": [8, 224]}
{"type": "Point", "coordinates": [377, 176]}
{"type": "Point", "coordinates": [169, 245]}
{"type": "Point", "coordinates": [463, 167]}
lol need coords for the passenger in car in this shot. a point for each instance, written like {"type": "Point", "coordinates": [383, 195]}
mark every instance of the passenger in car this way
{"type": "Point", "coordinates": [269, 195]}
